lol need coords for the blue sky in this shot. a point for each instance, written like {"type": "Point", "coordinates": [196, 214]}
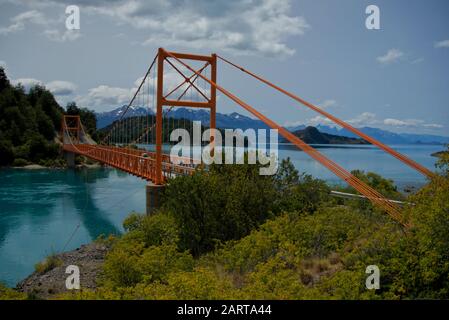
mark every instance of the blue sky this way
{"type": "Point", "coordinates": [395, 78]}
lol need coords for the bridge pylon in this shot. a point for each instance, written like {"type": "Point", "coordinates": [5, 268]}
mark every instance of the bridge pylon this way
{"type": "Point", "coordinates": [70, 134]}
{"type": "Point", "coordinates": [163, 100]}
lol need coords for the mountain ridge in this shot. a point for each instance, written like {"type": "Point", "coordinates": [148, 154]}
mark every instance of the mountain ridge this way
{"type": "Point", "coordinates": [238, 121]}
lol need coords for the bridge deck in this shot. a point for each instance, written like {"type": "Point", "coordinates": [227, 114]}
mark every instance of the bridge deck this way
{"type": "Point", "coordinates": [140, 163]}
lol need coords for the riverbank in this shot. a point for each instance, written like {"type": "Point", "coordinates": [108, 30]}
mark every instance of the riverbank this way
{"type": "Point", "coordinates": [47, 285]}
{"type": "Point", "coordinates": [95, 165]}
{"type": "Point", "coordinates": [41, 208]}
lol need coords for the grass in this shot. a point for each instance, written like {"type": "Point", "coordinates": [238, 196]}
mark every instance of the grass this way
{"type": "Point", "coordinates": [51, 262]}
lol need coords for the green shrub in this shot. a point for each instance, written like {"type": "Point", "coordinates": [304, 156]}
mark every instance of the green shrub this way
{"type": "Point", "coordinates": [201, 283]}
{"type": "Point", "coordinates": [156, 229]}
{"type": "Point", "coordinates": [121, 267]}
{"type": "Point", "coordinates": [159, 229]}
{"type": "Point", "coordinates": [19, 162]}
{"type": "Point", "coordinates": [130, 263]}
{"type": "Point", "coordinates": [157, 262]}
{"type": "Point", "coordinates": [132, 222]}
{"type": "Point", "coordinates": [6, 152]}
{"type": "Point", "coordinates": [10, 294]}
{"type": "Point", "coordinates": [430, 219]}
{"type": "Point", "coordinates": [22, 151]}
{"type": "Point", "coordinates": [322, 255]}
{"type": "Point", "coordinates": [51, 262]}
{"type": "Point", "coordinates": [225, 203]}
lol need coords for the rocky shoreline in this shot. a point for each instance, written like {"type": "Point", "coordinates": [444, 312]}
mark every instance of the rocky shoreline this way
{"type": "Point", "coordinates": [78, 166]}
{"type": "Point", "coordinates": [89, 259]}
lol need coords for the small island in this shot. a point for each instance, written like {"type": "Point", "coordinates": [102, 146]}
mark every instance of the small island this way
{"type": "Point", "coordinates": [312, 135]}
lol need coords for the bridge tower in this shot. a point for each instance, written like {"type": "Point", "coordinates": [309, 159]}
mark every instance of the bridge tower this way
{"type": "Point", "coordinates": [210, 103]}
{"type": "Point", "coordinates": [153, 190]}
{"type": "Point", "coordinates": [70, 134]}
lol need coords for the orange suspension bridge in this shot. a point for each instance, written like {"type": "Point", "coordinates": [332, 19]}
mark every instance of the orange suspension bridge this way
{"type": "Point", "coordinates": [197, 89]}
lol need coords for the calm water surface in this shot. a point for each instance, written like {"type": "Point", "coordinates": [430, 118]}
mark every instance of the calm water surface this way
{"type": "Point", "coordinates": [41, 210]}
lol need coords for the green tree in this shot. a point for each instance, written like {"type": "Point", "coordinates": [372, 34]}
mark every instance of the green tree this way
{"type": "Point", "coordinates": [87, 117]}
{"type": "Point", "coordinates": [45, 125]}
{"type": "Point", "coordinates": [4, 82]}
{"type": "Point", "coordinates": [224, 203]}
{"type": "Point", "coordinates": [41, 98]}
{"type": "Point", "coordinates": [443, 162]}
{"type": "Point", "coordinates": [298, 192]}
{"type": "Point", "coordinates": [6, 152]}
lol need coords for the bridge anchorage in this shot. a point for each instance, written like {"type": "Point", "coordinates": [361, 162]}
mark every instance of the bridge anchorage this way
{"type": "Point", "coordinates": [136, 144]}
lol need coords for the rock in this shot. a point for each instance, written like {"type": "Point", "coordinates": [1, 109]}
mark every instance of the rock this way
{"type": "Point", "coordinates": [89, 258]}
{"type": "Point", "coordinates": [31, 167]}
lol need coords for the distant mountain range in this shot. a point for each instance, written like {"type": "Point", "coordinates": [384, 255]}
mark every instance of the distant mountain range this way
{"type": "Point", "coordinates": [106, 118]}
{"type": "Point", "coordinates": [384, 136]}
{"type": "Point", "coordinates": [231, 121]}
{"type": "Point", "coordinates": [235, 120]}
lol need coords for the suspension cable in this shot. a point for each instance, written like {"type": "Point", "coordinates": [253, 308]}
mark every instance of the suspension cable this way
{"type": "Point", "coordinates": [195, 77]}
{"type": "Point", "coordinates": [134, 96]}
{"type": "Point", "coordinates": [423, 170]}
{"type": "Point", "coordinates": [374, 196]}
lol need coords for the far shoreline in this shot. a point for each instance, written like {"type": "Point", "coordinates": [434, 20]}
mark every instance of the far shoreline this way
{"type": "Point", "coordinates": [41, 167]}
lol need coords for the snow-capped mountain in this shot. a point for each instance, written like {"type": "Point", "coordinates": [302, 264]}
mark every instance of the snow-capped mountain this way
{"type": "Point", "coordinates": [225, 121]}
{"type": "Point", "coordinates": [235, 120]}
{"type": "Point", "coordinates": [106, 118]}
{"type": "Point", "coordinates": [231, 121]}
{"type": "Point", "coordinates": [384, 136]}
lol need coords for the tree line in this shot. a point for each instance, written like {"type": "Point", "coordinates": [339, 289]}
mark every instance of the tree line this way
{"type": "Point", "coordinates": [30, 123]}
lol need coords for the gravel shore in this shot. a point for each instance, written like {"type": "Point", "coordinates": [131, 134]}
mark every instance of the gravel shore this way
{"type": "Point", "coordinates": [89, 258]}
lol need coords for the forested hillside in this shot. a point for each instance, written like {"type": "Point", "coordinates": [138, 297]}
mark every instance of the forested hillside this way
{"type": "Point", "coordinates": [30, 122]}
{"type": "Point", "coordinates": [134, 129]}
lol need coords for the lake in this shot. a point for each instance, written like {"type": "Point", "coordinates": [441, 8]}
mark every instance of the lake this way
{"type": "Point", "coordinates": [47, 211]}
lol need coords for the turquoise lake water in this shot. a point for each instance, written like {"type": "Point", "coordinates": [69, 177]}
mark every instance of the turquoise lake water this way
{"type": "Point", "coordinates": [40, 210]}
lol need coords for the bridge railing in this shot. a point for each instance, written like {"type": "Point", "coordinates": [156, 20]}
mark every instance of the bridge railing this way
{"type": "Point", "coordinates": [135, 161]}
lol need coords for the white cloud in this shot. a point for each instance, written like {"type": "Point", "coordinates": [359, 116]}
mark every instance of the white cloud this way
{"type": "Point", "coordinates": [239, 26]}
{"type": "Point", "coordinates": [442, 44]}
{"type": "Point", "coordinates": [19, 21]}
{"type": "Point", "coordinates": [328, 103]}
{"type": "Point", "coordinates": [402, 123]}
{"type": "Point", "coordinates": [58, 87]}
{"type": "Point", "coordinates": [61, 88]}
{"type": "Point", "coordinates": [433, 125]}
{"type": "Point", "coordinates": [318, 120]}
{"type": "Point", "coordinates": [363, 119]}
{"type": "Point", "coordinates": [416, 61]}
{"type": "Point", "coordinates": [104, 97]}
{"type": "Point", "coordinates": [391, 56]}
{"type": "Point", "coordinates": [290, 123]}
{"type": "Point", "coordinates": [58, 36]}
{"type": "Point", "coordinates": [3, 64]}
{"type": "Point", "coordinates": [370, 119]}
{"type": "Point", "coordinates": [27, 83]}
{"type": "Point", "coordinates": [411, 123]}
